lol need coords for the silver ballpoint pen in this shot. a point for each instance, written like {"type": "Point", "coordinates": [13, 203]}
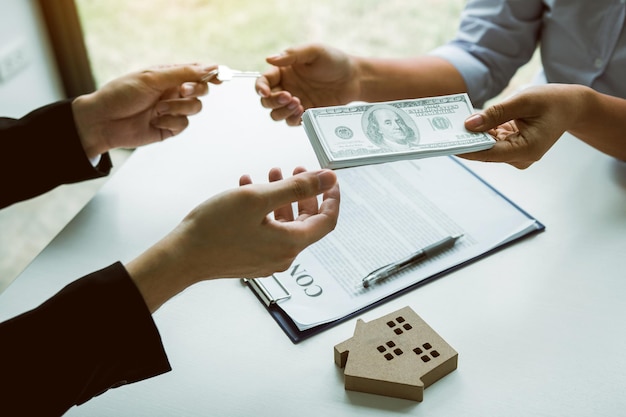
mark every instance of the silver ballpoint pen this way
{"type": "Point", "coordinates": [395, 267]}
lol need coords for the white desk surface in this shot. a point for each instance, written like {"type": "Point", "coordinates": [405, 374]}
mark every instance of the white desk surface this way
{"type": "Point", "coordinates": [538, 326]}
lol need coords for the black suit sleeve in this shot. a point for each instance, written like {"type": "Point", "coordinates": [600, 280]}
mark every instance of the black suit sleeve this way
{"type": "Point", "coordinates": [95, 334]}
{"type": "Point", "coordinates": [41, 151]}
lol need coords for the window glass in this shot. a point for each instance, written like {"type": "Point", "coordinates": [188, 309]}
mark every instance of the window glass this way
{"type": "Point", "coordinates": [124, 36]}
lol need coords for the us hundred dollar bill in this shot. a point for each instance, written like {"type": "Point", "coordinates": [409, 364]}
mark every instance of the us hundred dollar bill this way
{"type": "Point", "coordinates": [368, 133]}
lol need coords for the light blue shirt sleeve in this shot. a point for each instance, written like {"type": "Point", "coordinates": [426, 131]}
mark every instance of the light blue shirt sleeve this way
{"type": "Point", "coordinates": [581, 41]}
{"type": "Point", "coordinates": [494, 40]}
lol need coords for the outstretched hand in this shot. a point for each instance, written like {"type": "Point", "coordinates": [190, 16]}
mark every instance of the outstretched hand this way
{"type": "Point", "coordinates": [526, 125]}
{"type": "Point", "coordinates": [261, 233]}
{"type": "Point", "coordinates": [140, 108]}
{"type": "Point", "coordinates": [303, 77]}
{"type": "Point", "coordinates": [234, 234]}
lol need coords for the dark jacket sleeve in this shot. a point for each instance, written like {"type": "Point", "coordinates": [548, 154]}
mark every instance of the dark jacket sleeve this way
{"type": "Point", "coordinates": [95, 334]}
{"type": "Point", "coordinates": [41, 151]}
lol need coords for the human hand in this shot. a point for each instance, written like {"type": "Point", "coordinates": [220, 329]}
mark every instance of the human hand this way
{"type": "Point", "coordinates": [307, 76]}
{"type": "Point", "coordinates": [140, 108]}
{"type": "Point", "coordinates": [527, 124]}
{"type": "Point", "coordinates": [245, 241]}
{"type": "Point", "coordinates": [234, 235]}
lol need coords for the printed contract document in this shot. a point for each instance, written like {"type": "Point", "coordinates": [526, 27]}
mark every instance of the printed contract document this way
{"type": "Point", "coordinates": [389, 211]}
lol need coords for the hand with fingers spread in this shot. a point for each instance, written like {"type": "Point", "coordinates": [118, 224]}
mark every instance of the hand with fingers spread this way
{"type": "Point", "coordinates": [529, 123]}
{"type": "Point", "coordinates": [140, 108]}
{"type": "Point", "coordinates": [234, 235]}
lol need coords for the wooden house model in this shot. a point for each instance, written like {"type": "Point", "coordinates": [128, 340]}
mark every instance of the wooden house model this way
{"type": "Point", "coordinates": [397, 355]}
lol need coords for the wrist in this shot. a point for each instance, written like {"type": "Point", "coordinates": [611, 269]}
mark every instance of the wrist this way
{"type": "Point", "coordinates": [368, 77]}
{"type": "Point", "coordinates": [158, 274]}
{"type": "Point", "coordinates": [87, 127]}
{"type": "Point", "coordinates": [582, 104]}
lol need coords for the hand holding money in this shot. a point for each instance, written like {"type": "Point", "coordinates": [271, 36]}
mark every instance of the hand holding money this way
{"type": "Point", "coordinates": [370, 133]}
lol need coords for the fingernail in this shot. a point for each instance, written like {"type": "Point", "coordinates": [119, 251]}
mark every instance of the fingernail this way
{"type": "Point", "coordinates": [279, 55]}
{"type": "Point", "coordinates": [327, 179]}
{"type": "Point", "coordinates": [283, 100]}
{"type": "Point", "coordinates": [474, 122]}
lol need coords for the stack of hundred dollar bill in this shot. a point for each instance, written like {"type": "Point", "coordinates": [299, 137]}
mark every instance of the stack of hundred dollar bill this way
{"type": "Point", "coordinates": [371, 133]}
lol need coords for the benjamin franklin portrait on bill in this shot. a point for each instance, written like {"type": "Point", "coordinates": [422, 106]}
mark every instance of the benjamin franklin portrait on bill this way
{"type": "Point", "coordinates": [390, 128]}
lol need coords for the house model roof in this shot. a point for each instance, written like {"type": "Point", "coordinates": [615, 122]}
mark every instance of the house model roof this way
{"type": "Point", "coordinates": [397, 355]}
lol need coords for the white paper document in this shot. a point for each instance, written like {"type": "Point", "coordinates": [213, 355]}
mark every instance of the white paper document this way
{"type": "Point", "coordinates": [389, 211]}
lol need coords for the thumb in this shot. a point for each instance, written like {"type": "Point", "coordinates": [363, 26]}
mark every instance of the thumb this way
{"type": "Point", "coordinates": [299, 187]}
{"type": "Point", "coordinates": [295, 55]}
{"type": "Point", "coordinates": [173, 75]}
{"type": "Point", "coordinates": [497, 114]}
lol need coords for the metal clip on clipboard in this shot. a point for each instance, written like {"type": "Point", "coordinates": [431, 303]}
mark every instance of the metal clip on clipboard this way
{"type": "Point", "coordinates": [264, 293]}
